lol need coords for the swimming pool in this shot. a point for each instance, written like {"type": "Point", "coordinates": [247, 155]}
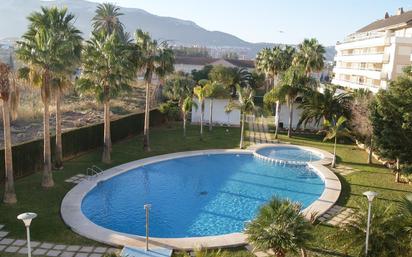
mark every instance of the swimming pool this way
{"type": "Point", "coordinates": [196, 196]}
{"type": "Point", "coordinates": [289, 153]}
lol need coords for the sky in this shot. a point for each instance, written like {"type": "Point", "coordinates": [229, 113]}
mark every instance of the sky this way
{"type": "Point", "coordinates": [275, 21]}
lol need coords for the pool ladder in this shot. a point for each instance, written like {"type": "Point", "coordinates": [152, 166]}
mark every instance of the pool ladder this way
{"type": "Point", "coordinates": [93, 171]}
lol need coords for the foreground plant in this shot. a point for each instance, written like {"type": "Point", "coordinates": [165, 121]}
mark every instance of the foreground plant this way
{"type": "Point", "coordinates": [279, 227]}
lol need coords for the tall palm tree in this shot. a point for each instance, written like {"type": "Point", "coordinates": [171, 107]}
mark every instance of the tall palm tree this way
{"type": "Point", "coordinates": [187, 106]}
{"type": "Point", "coordinates": [8, 96]}
{"type": "Point", "coordinates": [293, 82]}
{"type": "Point", "coordinates": [246, 105]}
{"type": "Point", "coordinates": [310, 55]}
{"type": "Point", "coordinates": [107, 71]}
{"type": "Point", "coordinates": [155, 59]}
{"type": "Point", "coordinates": [201, 93]}
{"type": "Point", "coordinates": [70, 35]}
{"type": "Point", "coordinates": [43, 51]}
{"type": "Point", "coordinates": [334, 128]}
{"type": "Point", "coordinates": [323, 105]}
{"type": "Point", "coordinates": [279, 227]}
{"type": "Point", "coordinates": [107, 20]}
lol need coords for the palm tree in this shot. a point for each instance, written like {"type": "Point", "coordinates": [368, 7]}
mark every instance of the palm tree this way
{"type": "Point", "coordinates": [107, 71]}
{"type": "Point", "coordinates": [214, 90]}
{"type": "Point", "coordinates": [43, 51]}
{"type": "Point", "coordinates": [323, 105]}
{"type": "Point", "coordinates": [9, 97]}
{"type": "Point", "coordinates": [293, 82]}
{"type": "Point", "coordinates": [279, 227]}
{"type": "Point", "coordinates": [310, 55]}
{"type": "Point", "coordinates": [406, 214]}
{"type": "Point", "coordinates": [201, 93]}
{"type": "Point", "coordinates": [107, 20]}
{"type": "Point", "coordinates": [245, 104]}
{"type": "Point", "coordinates": [334, 128]}
{"type": "Point", "coordinates": [187, 105]}
{"type": "Point", "coordinates": [178, 88]}
{"type": "Point", "coordinates": [155, 59]}
{"type": "Point", "coordinates": [70, 35]}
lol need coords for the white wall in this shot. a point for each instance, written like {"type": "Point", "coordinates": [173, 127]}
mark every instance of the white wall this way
{"type": "Point", "coordinates": [219, 115]}
{"type": "Point", "coordinates": [284, 117]}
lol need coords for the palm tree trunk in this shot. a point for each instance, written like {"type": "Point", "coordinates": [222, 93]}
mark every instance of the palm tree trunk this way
{"type": "Point", "coordinates": [242, 131]}
{"type": "Point", "coordinates": [370, 151]}
{"type": "Point", "coordinates": [303, 252]}
{"type": "Point", "coordinates": [201, 119]}
{"type": "Point", "coordinates": [107, 140]}
{"type": "Point", "coordinates": [9, 192]}
{"type": "Point", "coordinates": [184, 124]}
{"type": "Point", "coordinates": [277, 119]}
{"type": "Point", "coordinates": [146, 144]}
{"type": "Point", "coordinates": [290, 118]}
{"type": "Point", "coordinates": [397, 172]}
{"type": "Point", "coordinates": [211, 115]}
{"type": "Point", "coordinates": [47, 180]}
{"type": "Point", "coordinates": [334, 152]}
{"type": "Point", "coordinates": [59, 149]}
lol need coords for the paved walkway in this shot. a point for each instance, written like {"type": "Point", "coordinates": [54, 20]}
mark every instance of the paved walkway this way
{"type": "Point", "coordinates": [258, 130]}
{"type": "Point", "coordinates": [337, 216]}
{"type": "Point", "coordinates": [18, 246]}
{"type": "Point", "coordinates": [344, 170]}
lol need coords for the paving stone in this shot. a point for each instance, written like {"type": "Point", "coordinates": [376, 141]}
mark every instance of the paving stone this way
{"type": "Point", "coordinates": [59, 247]}
{"type": "Point", "coordinates": [24, 250]}
{"type": "Point", "coordinates": [67, 254]}
{"type": "Point", "coordinates": [39, 252]}
{"type": "Point", "coordinates": [2, 247]}
{"type": "Point", "coordinates": [34, 243]}
{"type": "Point", "coordinates": [96, 255]}
{"type": "Point", "coordinates": [86, 249]}
{"type": "Point", "coordinates": [6, 241]}
{"type": "Point", "coordinates": [333, 222]}
{"type": "Point", "coordinates": [322, 219]}
{"type": "Point", "coordinates": [20, 242]}
{"type": "Point", "coordinates": [53, 253]}
{"type": "Point", "coordinates": [327, 215]}
{"type": "Point", "coordinates": [11, 249]}
{"type": "Point", "coordinates": [81, 255]}
{"type": "Point", "coordinates": [3, 234]}
{"type": "Point", "coordinates": [46, 246]}
{"type": "Point", "coordinates": [1, 226]}
{"type": "Point", "coordinates": [73, 248]}
{"type": "Point", "coordinates": [100, 249]}
{"type": "Point", "coordinates": [112, 250]}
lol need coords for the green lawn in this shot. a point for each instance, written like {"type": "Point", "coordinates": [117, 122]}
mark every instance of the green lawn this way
{"type": "Point", "coordinates": [49, 226]}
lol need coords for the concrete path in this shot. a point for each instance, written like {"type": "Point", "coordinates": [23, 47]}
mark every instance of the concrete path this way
{"type": "Point", "coordinates": [337, 216]}
{"type": "Point", "coordinates": [258, 130]}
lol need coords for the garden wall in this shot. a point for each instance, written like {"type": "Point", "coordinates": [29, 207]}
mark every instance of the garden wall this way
{"type": "Point", "coordinates": [28, 157]}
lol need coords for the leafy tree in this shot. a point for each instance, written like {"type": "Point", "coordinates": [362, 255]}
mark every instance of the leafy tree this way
{"type": "Point", "coordinates": [245, 104]}
{"type": "Point", "coordinates": [334, 128]}
{"type": "Point", "coordinates": [107, 71]}
{"type": "Point", "coordinates": [156, 59]}
{"type": "Point", "coordinates": [214, 90]}
{"type": "Point", "coordinates": [230, 77]}
{"type": "Point", "coordinates": [323, 105]}
{"type": "Point", "coordinates": [177, 88]}
{"type": "Point", "coordinates": [279, 227]}
{"type": "Point", "coordinates": [310, 55]}
{"type": "Point", "coordinates": [201, 93]}
{"type": "Point", "coordinates": [170, 109]}
{"type": "Point", "coordinates": [9, 97]}
{"type": "Point", "coordinates": [201, 74]}
{"type": "Point", "coordinates": [187, 106]}
{"type": "Point", "coordinates": [392, 120]}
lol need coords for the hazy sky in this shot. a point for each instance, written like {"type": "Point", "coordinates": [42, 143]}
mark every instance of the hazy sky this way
{"type": "Point", "coordinates": [262, 20]}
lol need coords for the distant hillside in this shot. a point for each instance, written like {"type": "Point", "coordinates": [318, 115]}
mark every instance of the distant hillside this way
{"type": "Point", "coordinates": [13, 23]}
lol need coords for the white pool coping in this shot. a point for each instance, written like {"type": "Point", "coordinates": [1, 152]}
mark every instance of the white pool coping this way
{"type": "Point", "coordinates": [73, 216]}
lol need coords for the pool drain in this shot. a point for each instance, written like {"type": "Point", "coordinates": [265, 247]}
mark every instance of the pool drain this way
{"type": "Point", "coordinates": [203, 193]}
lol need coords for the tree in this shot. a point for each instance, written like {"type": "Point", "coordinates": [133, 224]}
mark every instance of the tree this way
{"type": "Point", "coordinates": [360, 122]}
{"type": "Point", "coordinates": [405, 209]}
{"type": "Point", "coordinates": [293, 82]}
{"type": "Point", "coordinates": [107, 20]}
{"type": "Point", "coordinates": [177, 88]}
{"type": "Point", "coordinates": [156, 59]}
{"type": "Point", "coordinates": [386, 235]}
{"type": "Point", "coordinates": [107, 71]}
{"type": "Point", "coordinates": [201, 74]}
{"type": "Point", "coordinates": [280, 227]}
{"type": "Point", "coordinates": [392, 121]}
{"type": "Point", "coordinates": [230, 77]}
{"type": "Point", "coordinates": [9, 98]}
{"type": "Point", "coordinates": [334, 128]}
{"type": "Point", "coordinates": [310, 55]}
{"type": "Point", "coordinates": [44, 52]}
{"type": "Point", "coordinates": [201, 93]}
{"type": "Point", "coordinates": [187, 106]}
{"type": "Point", "coordinates": [245, 104]}
{"type": "Point", "coordinates": [214, 90]}
{"type": "Point", "coordinates": [323, 105]}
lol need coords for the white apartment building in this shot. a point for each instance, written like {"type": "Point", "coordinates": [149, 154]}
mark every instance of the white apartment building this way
{"type": "Point", "coordinates": [375, 54]}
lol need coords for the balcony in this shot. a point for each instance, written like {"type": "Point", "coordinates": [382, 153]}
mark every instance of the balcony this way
{"type": "Point", "coordinates": [368, 58]}
{"type": "Point", "coordinates": [364, 43]}
{"type": "Point", "coordinates": [355, 85]}
{"type": "Point", "coordinates": [377, 74]}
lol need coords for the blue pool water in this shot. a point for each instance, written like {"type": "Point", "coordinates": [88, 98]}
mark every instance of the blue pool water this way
{"type": "Point", "coordinates": [288, 153]}
{"type": "Point", "coordinates": [196, 196]}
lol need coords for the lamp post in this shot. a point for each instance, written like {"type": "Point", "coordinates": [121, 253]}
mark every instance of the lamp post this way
{"type": "Point", "coordinates": [370, 195]}
{"type": "Point", "coordinates": [27, 217]}
{"type": "Point", "coordinates": [147, 208]}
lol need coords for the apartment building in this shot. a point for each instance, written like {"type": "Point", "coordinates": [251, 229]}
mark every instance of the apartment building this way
{"type": "Point", "coordinates": [375, 54]}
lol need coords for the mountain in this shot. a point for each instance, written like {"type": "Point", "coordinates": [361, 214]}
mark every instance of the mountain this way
{"type": "Point", "coordinates": [13, 23]}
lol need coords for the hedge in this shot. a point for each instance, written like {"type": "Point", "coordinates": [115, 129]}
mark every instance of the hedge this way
{"type": "Point", "coordinates": [28, 157]}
